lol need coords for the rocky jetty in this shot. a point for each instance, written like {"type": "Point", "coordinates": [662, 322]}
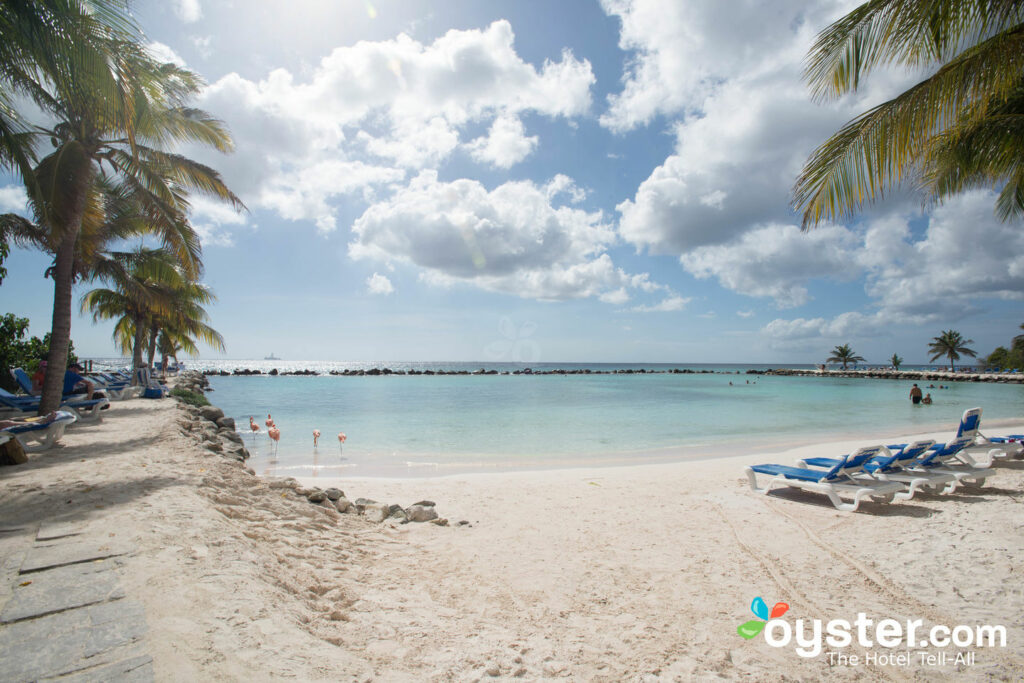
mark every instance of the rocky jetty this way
{"type": "Point", "coordinates": [384, 372]}
{"type": "Point", "coordinates": [905, 375]}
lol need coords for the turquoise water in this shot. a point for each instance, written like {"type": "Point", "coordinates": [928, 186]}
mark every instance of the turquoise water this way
{"type": "Point", "coordinates": [431, 425]}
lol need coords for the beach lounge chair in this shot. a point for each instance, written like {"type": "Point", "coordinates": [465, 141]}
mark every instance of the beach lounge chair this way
{"type": "Point", "coordinates": [970, 426]}
{"type": "Point", "coordinates": [839, 480]}
{"type": "Point", "coordinates": [85, 410]}
{"type": "Point", "coordinates": [1012, 443]}
{"type": "Point", "coordinates": [903, 465]}
{"type": "Point", "coordinates": [25, 382]}
{"type": "Point", "coordinates": [953, 458]}
{"type": "Point", "coordinates": [36, 435]}
{"type": "Point", "coordinates": [151, 387]}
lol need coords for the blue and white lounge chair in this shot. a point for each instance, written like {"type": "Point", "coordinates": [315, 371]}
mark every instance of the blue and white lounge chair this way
{"type": "Point", "coordinates": [85, 411]}
{"type": "Point", "coordinates": [842, 479]}
{"type": "Point", "coordinates": [38, 436]}
{"type": "Point", "coordinates": [953, 458]}
{"type": "Point", "coordinates": [151, 387]}
{"type": "Point", "coordinates": [970, 426]}
{"type": "Point", "coordinates": [903, 465]}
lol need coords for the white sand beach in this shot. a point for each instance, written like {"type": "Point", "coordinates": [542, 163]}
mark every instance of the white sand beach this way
{"type": "Point", "coordinates": [625, 573]}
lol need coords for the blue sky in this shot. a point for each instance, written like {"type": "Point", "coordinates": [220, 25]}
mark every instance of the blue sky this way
{"type": "Point", "coordinates": [547, 181]}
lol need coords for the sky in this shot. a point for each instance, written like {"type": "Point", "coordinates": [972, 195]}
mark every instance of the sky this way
{"type": "Point", "coordinates": [536, 181]}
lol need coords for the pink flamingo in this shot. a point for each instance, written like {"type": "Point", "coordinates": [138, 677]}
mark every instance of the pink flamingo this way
{"type": "Point", "coordinates": [254, 427]}
{"type": "Point", "coordinates": [316, 437]}
{"type": "Point", "coordinates": [341, 441]}
{"type": "Point", "coordinates": [275, 434]}
{"type": "Point", "coordinates": [269, 422]}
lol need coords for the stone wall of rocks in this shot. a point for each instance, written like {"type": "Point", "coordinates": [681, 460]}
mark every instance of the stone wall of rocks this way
{"type": "Point", "coordinates": [912, 375]}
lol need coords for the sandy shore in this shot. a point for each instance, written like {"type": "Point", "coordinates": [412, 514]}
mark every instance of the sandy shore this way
{"type": "Point", "coordinates": [627, 573]}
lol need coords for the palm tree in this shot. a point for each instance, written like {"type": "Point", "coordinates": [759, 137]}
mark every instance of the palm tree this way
{"type": "Point", "coordinates": [150, 292]}
{"type": "Point", "coordinates": [125, 140]}
{"type": "Point", "coordinates": [58, 43]}
{"type": "Point", "coordinates": [951, 344]}
{"type": "Point", "coordinates": [844, 354]}
{"type": "Point", "coordinates": [960, 127]}
{"type": "Point", "coordinates": [896, 361]}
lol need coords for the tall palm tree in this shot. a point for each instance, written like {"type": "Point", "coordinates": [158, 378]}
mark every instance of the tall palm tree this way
{"type": "Point", "coordinates": [896, 361]}
{"type": "Point", "coordinates": [951, 344]}
{"type": "Point", "coordinates": [126, 140]}
{"type": "Point", "coordinates": [844, 354]}
{"type": "Point", "coordinates": [959, 127]}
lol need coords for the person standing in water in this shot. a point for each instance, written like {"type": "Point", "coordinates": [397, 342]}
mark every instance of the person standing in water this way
{"type": "Point", "coordinates": [915, 395]}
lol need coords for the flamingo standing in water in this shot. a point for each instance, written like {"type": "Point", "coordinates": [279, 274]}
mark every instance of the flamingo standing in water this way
{"type": "Point", "coordinates": [275, 434]}
{"type": "Point", "coordinates": [254, 427]}
{"type": "Point", "coordinates": [269, 422]}
{"type": "Point", "coordinates": [341, 441]}
{"type": "Point", "coordinates": [316, 437]}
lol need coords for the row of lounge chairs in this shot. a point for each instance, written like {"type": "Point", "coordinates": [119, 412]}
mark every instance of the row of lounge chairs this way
{"type": "Point", "coordinates": [897, 471]}
{"type": "Point", "coordinates": [40, 433]}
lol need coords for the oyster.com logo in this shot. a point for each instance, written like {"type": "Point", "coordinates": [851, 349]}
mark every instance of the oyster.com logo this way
{"type": "Point", "coordinates": [760, 609]}
{"type": "Point", "coordinates": [810, 637]}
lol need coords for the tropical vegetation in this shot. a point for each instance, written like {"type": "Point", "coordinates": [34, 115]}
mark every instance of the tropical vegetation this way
{"type": "Point", "coordinates": [959, 127]}
{"type": "Point", "coordinates": [18, 352]}
{"type": "Point", "coordinates": [113, 114]}
{"type": "Point", "coordinates": [844, 354]}
{"type": "Point", "coordinates": [1008, 358]}
{"type": "Point", "coordinates": [950, 344]}
{"type": "Point", "coordinates": [896, 361]}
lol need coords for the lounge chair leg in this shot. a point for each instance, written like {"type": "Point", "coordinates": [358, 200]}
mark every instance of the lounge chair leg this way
{"type": "Point", "coordinates": [838, 503]}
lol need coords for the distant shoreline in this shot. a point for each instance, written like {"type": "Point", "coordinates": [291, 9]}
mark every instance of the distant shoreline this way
{"type": "Point", "coordinates": [922, 375]}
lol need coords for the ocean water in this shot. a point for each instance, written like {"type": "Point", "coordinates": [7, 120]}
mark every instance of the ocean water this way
{"type": "Point", "coordinates": [411, 426]}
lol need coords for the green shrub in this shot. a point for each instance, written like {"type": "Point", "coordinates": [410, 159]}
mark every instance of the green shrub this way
{"type": "Point", "coordinates": [190, 397]}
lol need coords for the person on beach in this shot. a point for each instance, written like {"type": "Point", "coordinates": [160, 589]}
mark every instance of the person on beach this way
{"type": "Point", "coordinates": [927, 400]}
{"type": "Point", "coordinates": [915, 395]}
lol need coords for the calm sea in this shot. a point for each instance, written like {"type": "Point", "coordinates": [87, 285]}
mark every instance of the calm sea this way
{"type": "Point", "coordinates": [435, 425]}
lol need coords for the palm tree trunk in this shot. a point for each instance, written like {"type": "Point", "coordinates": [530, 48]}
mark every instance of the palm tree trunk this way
{"type": "Point", "coordinates": [63, 281]}
{"type": "Point", "coordinates": [137, 347]}
{"type": "Point", "coordinates": [152, 345]}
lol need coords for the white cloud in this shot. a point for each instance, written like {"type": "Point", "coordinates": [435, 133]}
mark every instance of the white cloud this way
{"type": "Point", "coordinates": [212, 220]}
{"type": "Point", "coordinates": [379, 284]}
{"type": "Point", "coordinates": [671, 303]}
{"type": "Point", "coordinates": [682, 51]}
{"type": "Point", "coordinates": [728, 78]}
{"type": "Point", "coordinates": [203, 45]}
{"type": "Point", "coordinates": [745, 314]}
{"type": "Point", "coordinates": [850, 325]}
{"type": "Point", "coordinates": [777, 261]}
{"type": "Point", "coordinates": [505, 145]}
{"type": "Point", "coordinates": [563, 184]}
{"type": "Point", "coordinates": [164, 53]}
{"type": "Point", "coordinates": [13, 199]}
{"type": "Point", "coordinates": [189, 11]}
{"type": "Point", "coordinates": [381, 107]}
{"type": "Point", "coordinates": [964, 257]}
{"type": "Point", "coordinates": [511, 239]}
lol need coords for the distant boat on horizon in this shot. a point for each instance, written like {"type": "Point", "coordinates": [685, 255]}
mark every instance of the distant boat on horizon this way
{"type": "Point", "coordinates": [271, 357]}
